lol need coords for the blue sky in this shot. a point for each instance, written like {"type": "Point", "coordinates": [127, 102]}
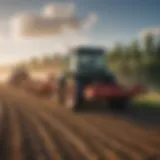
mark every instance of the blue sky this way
{"type": "Point", "coordinates": [118, 21]}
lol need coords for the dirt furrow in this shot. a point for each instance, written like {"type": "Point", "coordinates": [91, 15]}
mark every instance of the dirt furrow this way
{"type": "Point", "coordinates": [137, 149]}
{"type": "Point", "coordinates": [128, 138]}
{"type": "Point", "coordinates": [66, 132]}
{"type": "Point", "coordinates": [152, 140]}
{"type": "Point", "coordinates": [15, 135]}
{"type": "Point", "coordinates": [98, 137]}
{"type": "Point", "coordinates": [32, 143]}
{"type": "Point", "coordinates": [51, 149]}
{"type": "Point", "coordinates": [94, 145]}
{"type": "Point", "coordinates": [101, 151]}
{"type": "Point", "coordinates": [46, 133]}
{"type": "Point", "coordinates": [128, 127]}
{"type": "Point", "coordinates": [1, 117]}
{"type": "Point", "coordinates": [4, 134]}
{"type": "Point", "coordinates": [111, 143]}
{"type": "Point", "coordinates": [123, 123]}
{"type": "Point", "coordinates": [68, 150]}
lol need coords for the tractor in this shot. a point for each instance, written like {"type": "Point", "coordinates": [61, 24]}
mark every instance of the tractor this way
{"type": "Point", "coordinates": [88, 78]}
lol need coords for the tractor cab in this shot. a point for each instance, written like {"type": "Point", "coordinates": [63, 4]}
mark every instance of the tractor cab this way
{"type": "Point", "coordinates": [90, 64]}
{"type": "Point", "coordinates": [87, 60]}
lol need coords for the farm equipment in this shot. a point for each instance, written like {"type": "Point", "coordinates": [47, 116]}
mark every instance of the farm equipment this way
{"type": "Point", "coordinates": [19, 75]}
{"type": "Point", "coordinates": [87, 79]}
{"type": "Point", "coordinates": [20, 78]}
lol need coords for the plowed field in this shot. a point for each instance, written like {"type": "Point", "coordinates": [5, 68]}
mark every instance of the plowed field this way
{"type": "Point", "coordinates": [32, 129]}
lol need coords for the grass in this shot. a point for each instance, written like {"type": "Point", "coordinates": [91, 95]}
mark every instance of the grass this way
{"type": "Point", "coordinates": [150, 100]}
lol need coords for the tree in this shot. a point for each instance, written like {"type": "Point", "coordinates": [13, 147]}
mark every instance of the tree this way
{"type": "Point", "coordinates": [158, 50]}
{"type": "Point", "coordinates": [116, 53]}
{"type": "Point", "coordinates": [149, 44]}
{"type": "Point", "coordinates": [127, 54]}
{"type": "Point", "coordinates": [135, 51]}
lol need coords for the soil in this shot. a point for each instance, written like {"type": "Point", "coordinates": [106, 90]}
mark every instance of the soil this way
{"type": "Point", "coordinates": [37, 129]}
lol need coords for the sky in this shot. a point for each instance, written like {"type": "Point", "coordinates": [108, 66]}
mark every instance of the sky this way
{"type": "Point", "coordinates": [35, 27]}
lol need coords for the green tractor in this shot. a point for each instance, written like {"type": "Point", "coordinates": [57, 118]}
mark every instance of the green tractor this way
{"type": "Point", "coordinates": [88, 79]}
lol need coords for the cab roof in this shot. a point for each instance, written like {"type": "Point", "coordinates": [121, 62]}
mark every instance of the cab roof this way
{"type": "Point", "coordinates": [91, 49]}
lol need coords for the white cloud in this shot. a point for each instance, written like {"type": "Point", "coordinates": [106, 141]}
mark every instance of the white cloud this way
{"type": "Point", "coordinates": [60, 10]}
{"type": "Point", "coordinates": [54, 20]}
{"type": "Point", "coordinates": [90, 21]}
{"type": "Point", "coordinates": [21, 49]}
{"type": "Point", "coordinates": [154, 31]}
{"type": "Point", "coordinates": [55, 29]}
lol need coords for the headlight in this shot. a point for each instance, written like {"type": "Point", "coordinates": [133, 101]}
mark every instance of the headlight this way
{"type": "Point", "coordinates": [88, 93]}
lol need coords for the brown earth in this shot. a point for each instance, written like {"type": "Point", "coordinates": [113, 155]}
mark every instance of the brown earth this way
{"type": "Point", "coordinates": [33, 129]}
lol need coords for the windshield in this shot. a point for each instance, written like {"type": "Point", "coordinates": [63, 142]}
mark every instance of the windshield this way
{"type": "Point", "coordinates": [91, 61]}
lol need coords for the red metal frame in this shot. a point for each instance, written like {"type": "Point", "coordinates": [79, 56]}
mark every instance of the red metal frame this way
{"type": "Point", "coordinates": [46, 87]}
{"type": "Point", "coordinates": [112, 90]}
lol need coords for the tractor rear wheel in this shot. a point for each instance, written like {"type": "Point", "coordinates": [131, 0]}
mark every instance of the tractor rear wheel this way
{"type": "Point", "coordinates": [118, 103]}
{"type": "Point", "coordinates": [74, 101]}
{"type": "Point", "coordinates": [70, 96]}
{"type": "Point", "coordinates": [74, 98]}
{"type": "Point", "coordinates": [70, 101]}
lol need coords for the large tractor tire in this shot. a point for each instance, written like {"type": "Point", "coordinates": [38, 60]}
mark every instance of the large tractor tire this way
{"type": "Point", "coordinates": [71, 98]}
{"type": "Point", "coordinates": [74, 99]}
{"type": "Point", "coordinates": [118, 103]}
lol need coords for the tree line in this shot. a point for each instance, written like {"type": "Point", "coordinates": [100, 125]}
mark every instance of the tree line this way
{"type": "Point", "coordinates": [139, 60]}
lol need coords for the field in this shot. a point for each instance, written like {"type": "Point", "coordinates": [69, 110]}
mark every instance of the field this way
{"type": "Point", "coordinates": [39, 129]}
{"type": "Point", "coordinates": [152, 99]}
